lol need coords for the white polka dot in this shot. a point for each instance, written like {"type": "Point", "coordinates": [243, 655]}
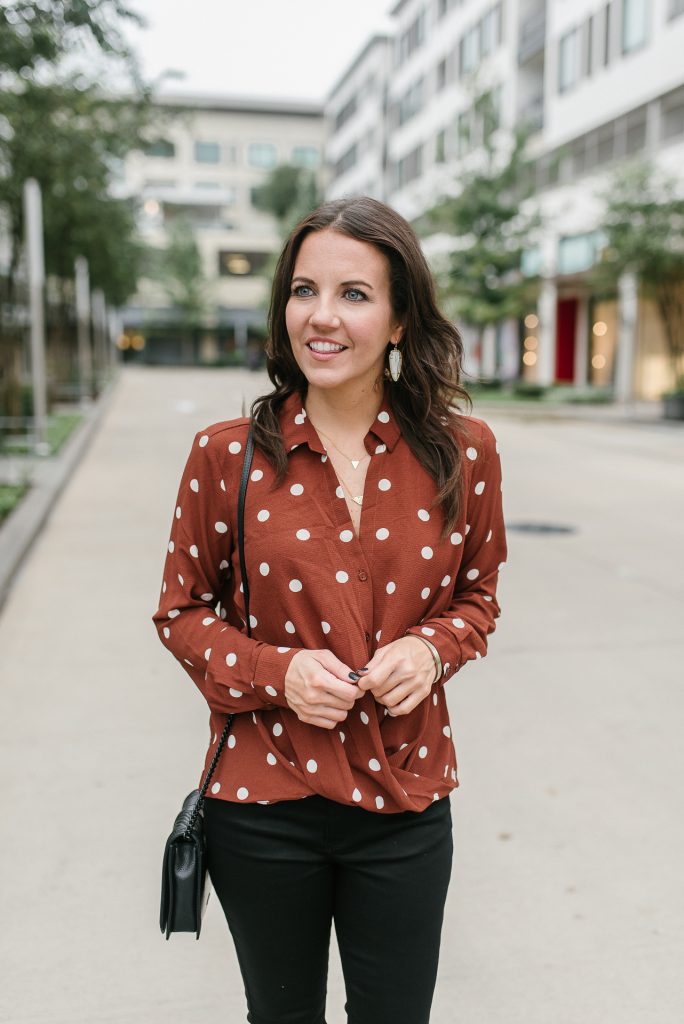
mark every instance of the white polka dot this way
{"type": "Point", "coordinates": [231, 741]}
{"type": "Point", "coordinates": [456, 538]}
{"type": "Point", "coordinates": [384, 484]}
{"type": "Point", "coordinates": [253, 621]}
{"type": "Point", "coordinates": [471, 453]}
{"type": "Point", "coordinates": [391, 587]}
{"type": "Point", "coordinates": [194, 486]}
{"type": "Point", "coordinates": [478, 654]}
{"type": "Point", "coordinates": [380, 449]}
{"type": "Point", "coordinates": [428, 631]}
{"type": "Point", "coordinates": [167, 632]}
{"type": "Point", "coordinates": [425, 593]}
{"type": "Point", "coordinates": [423, 514]}
{"type": "Point", "coordinates": [220, 527]}
{"type": "Point", "coordinates": [488, 537]}
{"type": "Point", "coordinates": [264, 568]}
{"type": "Point", "coordinates": [356, 796]}
{"type": "Point", "coordinates": [312, 766]}
{"type": "Point", "coordinates": [297, 489]}
{"type": "Point", "coordinates": [173, 613]}
{"type": "Point", "coordinates": [223, 485]}
{"type": "Point", "coordinates": [289, 627]}
{"type": "Point", "coordinates": [257, 475]}
{"type": "Point", "coordinates": [472, 574]}
{"type": "Point", "coordinates": [446, 581]}
{"type": "Point", "coordinates": [277, 729]}
{"type": "Point", "coordinates": [479, 487]}
{"type": "Point", "coordinates": [231, 659]}
{"type": "Point", "coordinates": [325, 626]}
{"type": "Point", "coordinates": [271, 691]}
{"type": "Point", "coordinates": [339, 492]}
{"type": "Point", "coordinates": [403, 746]}
{"type": "Point", "coordinates": [299, 418]}
{"type": "Point", "coordinates": [434, 699]}
{"type": "Point", "coordinates": [374, 764]}
{"type": "Point", "coordinates": [234, 693]}
{"type": "Point", "coordinates": [178, 512]}
{"type": "Point", "coordinates": [324, 458]}
{"type": "Point", "coordinates": [342, 576]}
{"type": "Point", "coordinates": [283, 650]}
{"type": "Point", "coordinates": [382, 533]}
{"type": "Point", "coordinates": [364, 717]}
{"type": "Point", "coordinates": [164, 587]}
{"type": "Point", "coordinates": [216, 787]}
{"type": "Point", "coordinates": [422, 752]}
{"type": "Point", "coordinates": [302, 535]}
{"type": "Point", "coordinates": [181, 580]}
{"type": "Point", "coordinates": [224, 564]}
{"type": "Point", "coordinates": [346, 536]}
{"type": "Point", "coordinates": [203, 440]}
{"type": "Point", "coordinates": [383, 417]}
{"type": "Point", "coordinates": [207, 654]}
{"type": "Point", "coordinates": [342, 737]}
{"type": "Point", "coordinates": [271, 758]}
{"type": "Point", "coordinates": [234, 447]}
{"type": "Point", "coordinates": [379, 803]}
{"type": "Point", "coordinates": [467, 529]}
{"type": "Point", "coordinates": [242, 793]}
{"type": "Point", "coordinates": [171, 546]}
{"type": "Point", "coordinates": [193, 551]}
{"type": "Point", "coordinates": [501, 565]}
{"type": "Point", "coordinates": [426, 552]}
{"type": "Point", "coordinates": [263, 514]}
{"type": "Point", "coordinates": [295, 586]}
{"type": "Point", "coordinates": [208, 620]}
{"type": "Point", "coordinates": [459, 623]}
{"type": "Point", "coordinates": [447, 731]}
{"type": "Point", "coordinates": [378, 635]}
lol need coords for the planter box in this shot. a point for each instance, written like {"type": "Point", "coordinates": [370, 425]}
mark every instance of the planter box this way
{"type": "Point", "coordinates": [673, 406]}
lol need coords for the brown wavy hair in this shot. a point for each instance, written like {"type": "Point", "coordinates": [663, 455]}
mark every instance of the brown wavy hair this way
{"type": "Point", "coordinates": [430, 384]}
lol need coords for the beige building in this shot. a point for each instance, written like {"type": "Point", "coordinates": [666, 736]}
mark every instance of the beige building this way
{"type": "Point", "coordinates": [209, 156]}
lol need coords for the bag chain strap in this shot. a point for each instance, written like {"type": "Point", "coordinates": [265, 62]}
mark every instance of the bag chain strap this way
{"type": "Point", "coordinates": [244, 480]}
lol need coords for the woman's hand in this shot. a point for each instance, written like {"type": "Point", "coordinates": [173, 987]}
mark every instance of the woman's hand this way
{"type": "Point", "coordinates": [400, 675]}
{"type": "Point", "coordinates": [318, 689]}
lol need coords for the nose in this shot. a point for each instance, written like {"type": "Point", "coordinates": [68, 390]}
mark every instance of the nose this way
{"type": "Point", "coordinates": [324, 314]}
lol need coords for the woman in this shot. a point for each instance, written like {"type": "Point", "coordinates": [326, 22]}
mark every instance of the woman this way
{"type": "Point", "coordinates": [373, 538]}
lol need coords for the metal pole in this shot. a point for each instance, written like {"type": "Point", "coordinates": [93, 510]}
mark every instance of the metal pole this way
{"type": "Point", "coordinates": [100, 334]}
{"type": "Point", "coordinates": [85, 361]}
{"type": "Point", "coordinates": [35, 260]}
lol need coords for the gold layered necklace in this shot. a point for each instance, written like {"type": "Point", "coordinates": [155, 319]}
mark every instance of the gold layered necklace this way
{"type": "Point", "coordinates": [356, 498]}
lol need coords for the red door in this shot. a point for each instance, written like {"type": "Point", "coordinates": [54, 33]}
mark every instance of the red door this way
{"type": "Point", "coordinates": [566, 328]}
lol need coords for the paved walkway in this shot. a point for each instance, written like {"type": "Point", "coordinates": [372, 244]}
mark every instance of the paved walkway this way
{"type": "Point", "coordinates": [566, 905]}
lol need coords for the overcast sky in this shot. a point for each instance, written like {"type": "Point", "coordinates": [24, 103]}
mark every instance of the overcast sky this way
{"type": "Point", "coordinates": [296, 49]}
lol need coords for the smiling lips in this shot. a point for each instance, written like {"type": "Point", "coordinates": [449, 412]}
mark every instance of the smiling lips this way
{"type": "Point", "coordinates": [325, 347]}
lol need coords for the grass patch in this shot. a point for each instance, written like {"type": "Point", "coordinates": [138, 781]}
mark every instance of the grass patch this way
{"type": "Point", "coordinates": [10, 496]}
{"type": "Point", "coordinates": [59, 427]}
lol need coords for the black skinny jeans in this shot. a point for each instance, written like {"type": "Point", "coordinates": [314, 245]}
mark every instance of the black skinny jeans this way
{"type": "Point", "coordinates": [284, 871]}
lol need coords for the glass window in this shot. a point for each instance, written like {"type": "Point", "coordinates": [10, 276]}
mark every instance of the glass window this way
{"type": "Point", "coordinates": [568, 60]}
{"type": "Point", "coordinates": [463, 133]}
{"type": "Point", "coordinates": [207, 152]}
{"type": "Point", "coordinates": [306, 156]}
{"type": "Point", "coordinates": [607, 32]}
{"type": "Point", "coordinates": [441, 75]}
{"type": "Point", "coordinates": [241, 264]}
{"type": "Point", "coordinates": [160, 147]}
{"type": "Point", "coordinates": [675, 8]}
{"type": "Point", "coordinates": [673, 115]}
{"type": "Point", "coordinates": [470, 50]}
{"type": "Point", "coordinates": [491, 30]}
{"type": "Point", "coordinates": [440, 147]}
{"type": "Point", "coordinates": [262, 154]}
{"type": "Point", "coordinates": [634, 24]}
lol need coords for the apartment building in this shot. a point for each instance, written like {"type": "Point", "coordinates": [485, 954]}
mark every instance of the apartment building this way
{"type": "Point", "coordinates": [210, 155]}
{"type": "Point", "coordinates": [598, 83]}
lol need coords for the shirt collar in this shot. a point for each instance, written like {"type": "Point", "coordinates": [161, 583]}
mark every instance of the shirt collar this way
{"type": "Point", "coordinates": [296, 428]}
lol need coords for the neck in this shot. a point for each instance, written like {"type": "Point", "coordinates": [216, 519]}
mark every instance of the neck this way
{"type": "Point", "coordinates": [347, 414]}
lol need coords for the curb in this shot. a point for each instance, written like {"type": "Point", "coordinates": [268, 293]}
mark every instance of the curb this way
{"type": "Point", "coordinates": [25, 522]}
{"type": "Point", "coordinates": [626, 415]}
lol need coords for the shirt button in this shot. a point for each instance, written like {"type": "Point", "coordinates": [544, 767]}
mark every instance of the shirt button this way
{"type": "Point", "coordinates": [367, 635]}
{"type": "Point", "coordinates": [363, 576]}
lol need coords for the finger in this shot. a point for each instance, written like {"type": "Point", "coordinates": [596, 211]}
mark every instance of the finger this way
{"type": "Point", "coordinates": [391, 677]}
{"type": "Point", "coordinates": [341, 689]}
{"type": "Point", "coordinates": [398, 692]}
{"type": "Point", "coordinates": [332, 664]}
{"type": "Point", "coordinates": [406, 706]}
{"type": "Point", "coordinates": [377, 676]}
{"type": "Point", "coordinates": [324, 721]}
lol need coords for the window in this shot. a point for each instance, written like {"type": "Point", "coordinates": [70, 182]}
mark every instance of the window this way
{"type": "Point", "coordinates": [607, 34]}
{"type": "Point", "coordinates": [634, 24]}
{"type": "Point", "coordinates": [675, 8]}
{"type": "Point", "coordinates": [440, 147]}
{"type": "Point", "coordinates": [410, 103]}
{"type": "Point", "coordinates": [464, 133]}
{"type": "Point", "coordinates": [635, 138]}
{"type": "Point", "coordinates": [207, 184]}
{"type": "Point", "coordinates": [410, 167]}
{"type": "Point", "coordinates": [441, 75]}
{"type": "Point", "coordinates": [491, 30]}
{"type": "Point", "coordinates": [568, 60]}
{"type": "Point", "coordinates": [346, 161]}
{"type": "Point", "coordinates": [241, 264]}
{"type": "Point", "coordinates": [345, 112]}
{"type": "Point", "coordinates": [470, 50]}
{"type": "Point", "coordinates": [162, 148]}
{"type": "Point", "coordinates": [263, 155]}
{"type": "Point", "coordinates": [306, 156]}
{"type": "Point", "coordinates": [673, 114]}
{"type": "Point", "coordinates": [589, 47]}
{"type": "Point", "coordinates": [207, 152]}
{"type": "Point", "coordinates": [411, 39]}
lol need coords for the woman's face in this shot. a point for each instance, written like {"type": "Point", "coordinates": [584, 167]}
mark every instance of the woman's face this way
{"type": "Point", "coordinates": [339, 317]}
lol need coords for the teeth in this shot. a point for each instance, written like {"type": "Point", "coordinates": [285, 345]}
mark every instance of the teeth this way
{"type": "Point", "coordinates": [325, 346]}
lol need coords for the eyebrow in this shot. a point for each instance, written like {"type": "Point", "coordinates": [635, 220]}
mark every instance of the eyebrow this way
{"type": "Point", "coordinates": [307, 280]}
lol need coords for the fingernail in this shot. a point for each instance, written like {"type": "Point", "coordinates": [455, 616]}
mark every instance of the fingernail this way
{"type": "Point", "coordinates": [354, 676]}
{"type": "Point", "coordinates": [363, 669]}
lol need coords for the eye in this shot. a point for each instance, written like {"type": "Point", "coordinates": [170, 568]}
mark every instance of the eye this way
{"type": "Point", "coordinates": [300, 290]}
{"type": "Point", "coordinates": [355, 294]}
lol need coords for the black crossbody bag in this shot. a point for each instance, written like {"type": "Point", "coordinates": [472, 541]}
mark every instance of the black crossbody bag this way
{"type": "Point", "coordinates": [185, 884]}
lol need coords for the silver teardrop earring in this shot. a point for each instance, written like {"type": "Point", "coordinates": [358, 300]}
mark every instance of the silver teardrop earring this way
{"type": "Point", "coordinates": [395, 361]}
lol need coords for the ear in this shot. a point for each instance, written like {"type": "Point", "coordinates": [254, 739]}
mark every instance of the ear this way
{"type": "Point", "coordinates": [397, 334]}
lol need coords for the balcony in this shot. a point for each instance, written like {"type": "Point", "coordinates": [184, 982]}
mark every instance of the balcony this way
{"type": "Point", "coordinates": [532, 36]}
{"type": "Point", "coordinates": [532, 114]}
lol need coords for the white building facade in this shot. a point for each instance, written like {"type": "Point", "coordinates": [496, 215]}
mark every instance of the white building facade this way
{"type": "Point", "coordinates": [599, 83]}
{"type": "Point", "coordinates": [210, 155]}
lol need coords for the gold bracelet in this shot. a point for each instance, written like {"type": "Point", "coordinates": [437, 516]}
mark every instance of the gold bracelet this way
{"type": "Point", "coordinates": [435, 655]}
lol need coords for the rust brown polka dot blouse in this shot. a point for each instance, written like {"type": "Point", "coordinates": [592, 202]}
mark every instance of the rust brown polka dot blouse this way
{"type": "Point", "coordinates": [314, 584]}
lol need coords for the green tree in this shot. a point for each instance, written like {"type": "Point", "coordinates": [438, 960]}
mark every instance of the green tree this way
{"type": "Point", "coordinates": [644, 228]}
{"type": "Point", "coordinates": [289, 193]}
{"type": "Point", "coordinates": [181, 272]}
{"type": "Point", "coordinates": [490, 223]}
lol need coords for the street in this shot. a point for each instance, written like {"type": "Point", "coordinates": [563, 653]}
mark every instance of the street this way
{"type": "Point", "coordinates": [566, 904]}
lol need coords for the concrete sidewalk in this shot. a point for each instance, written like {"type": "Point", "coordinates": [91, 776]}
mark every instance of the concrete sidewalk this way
{"type": "Point", "coordinates": [566, 904]}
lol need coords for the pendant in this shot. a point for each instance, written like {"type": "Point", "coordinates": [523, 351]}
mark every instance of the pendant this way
{"type": "Point", "coordinates": [355, 463]}
{"type": "Point", "coordinates": [358, 499]}
{"type": "Point", "coordinates": [395, 359]}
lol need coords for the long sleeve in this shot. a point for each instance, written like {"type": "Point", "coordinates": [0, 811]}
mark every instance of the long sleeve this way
{"type": "Point", "coordinates": [460, 632]}
{"type": "Point", "coordinates": [234, 672]}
